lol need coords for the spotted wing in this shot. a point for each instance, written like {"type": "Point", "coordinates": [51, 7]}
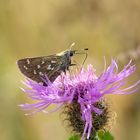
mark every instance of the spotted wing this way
{"type": "Point", "coordinates": [36, 68]}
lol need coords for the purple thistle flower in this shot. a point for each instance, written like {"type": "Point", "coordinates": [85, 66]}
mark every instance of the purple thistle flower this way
{"type": "Point", "coordinates": [84, 88]}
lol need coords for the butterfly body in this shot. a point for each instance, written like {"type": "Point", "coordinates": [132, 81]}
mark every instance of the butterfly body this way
{"type": "Point", "coordinates": [51, 66]}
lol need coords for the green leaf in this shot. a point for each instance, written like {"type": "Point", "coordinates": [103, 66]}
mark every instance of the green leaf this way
{"type": "Point", "coordinates": [102, 135]}
{"type": "Point", "coordinates": [74, 138]}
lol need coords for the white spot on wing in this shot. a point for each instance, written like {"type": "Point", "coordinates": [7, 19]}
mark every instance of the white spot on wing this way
{"type": "Point", "coordinates": [38, 66]}
{"type": "Point", "coordinates": [25, 67]}
{"type": "Point", "coordinates": [35, 72]}
{"type": "Point", "coordinates": [28, 61]}
{"type": "Point", "coordinates": [42, 62]}
{"type": "Point", "coordinates": [49, 67]}
{"type": "Point", "coordinates": [53, 61]}
{"type": "Point", "coordinates": [40, 73]}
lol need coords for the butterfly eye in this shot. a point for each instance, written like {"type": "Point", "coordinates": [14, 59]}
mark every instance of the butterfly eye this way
{"type": "Point", "coordinates": [72, 53]}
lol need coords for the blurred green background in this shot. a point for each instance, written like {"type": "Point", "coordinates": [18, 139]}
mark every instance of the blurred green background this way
{"type": "Point", "coordinates": [109, 28]}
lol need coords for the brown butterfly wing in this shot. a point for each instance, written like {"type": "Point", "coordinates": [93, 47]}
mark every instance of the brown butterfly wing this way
{"type": "Point", "coordinates": [36, 68]}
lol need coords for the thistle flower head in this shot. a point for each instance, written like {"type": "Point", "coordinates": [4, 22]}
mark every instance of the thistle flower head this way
{"type": "Point", "coordinates": [83, 89]}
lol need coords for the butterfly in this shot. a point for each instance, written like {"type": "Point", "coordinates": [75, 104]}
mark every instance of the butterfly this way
{"type": "Point", "coordinates": [51, 66]}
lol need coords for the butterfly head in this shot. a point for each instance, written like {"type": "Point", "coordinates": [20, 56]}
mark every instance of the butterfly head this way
{"type": "Point", "coordinates": [69, 53]}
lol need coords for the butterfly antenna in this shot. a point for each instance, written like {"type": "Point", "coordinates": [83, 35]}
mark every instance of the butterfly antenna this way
{"type": "Point", "coordinates": [71, 46]}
